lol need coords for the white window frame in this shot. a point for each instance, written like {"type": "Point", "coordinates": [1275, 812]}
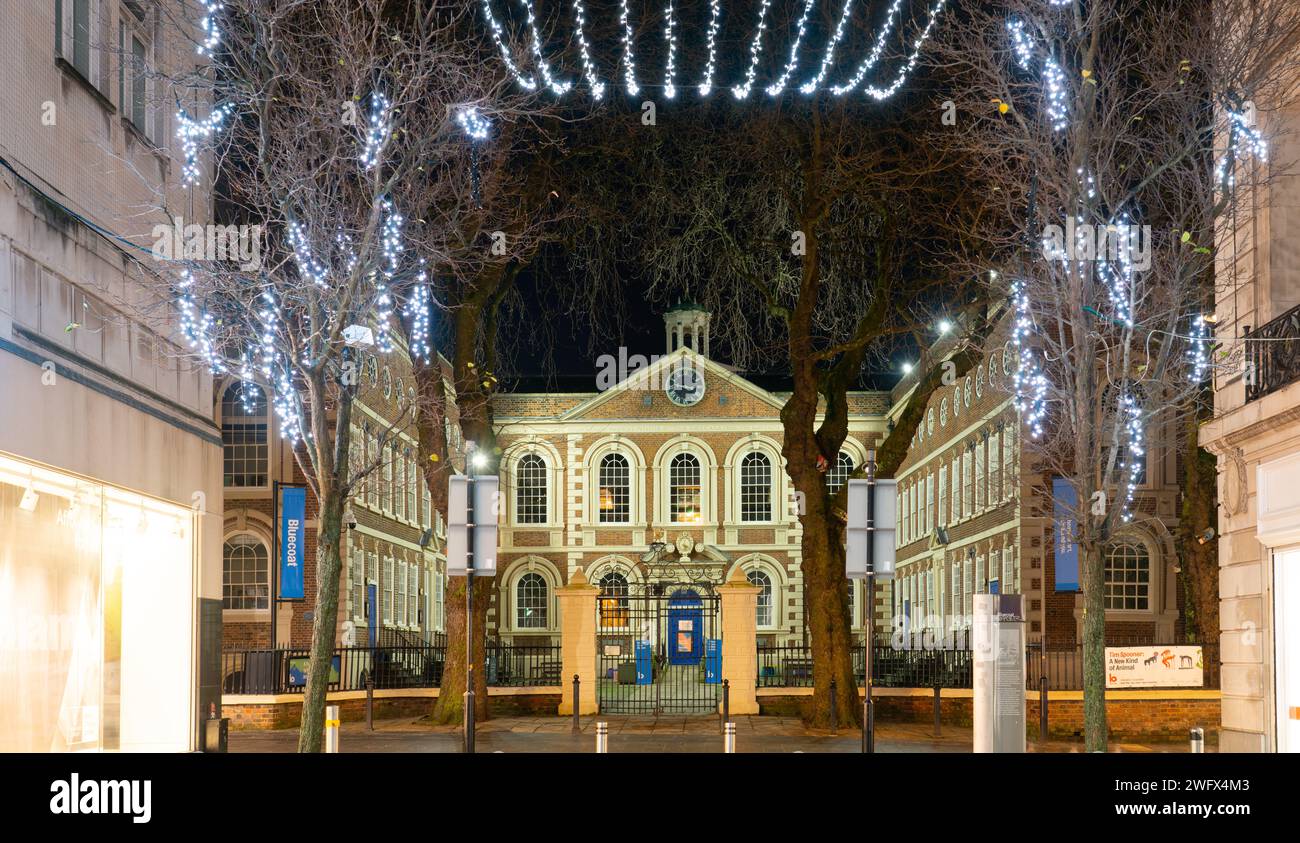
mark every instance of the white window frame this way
{"type": "Point", "coordinates": [772, 487]}
{"type": "Point", "coordinates": [246, 612]}
{"type": "Point", "coordinates": [390, 565]}
{"type": "Point", "coordinates": [66, 42]}
{"type": "Point", "coordinates": [413, 595]}
{"type": "Point", "coordinates": [546, 491]}
{"type": "Point", "coordinates": [131, 28]}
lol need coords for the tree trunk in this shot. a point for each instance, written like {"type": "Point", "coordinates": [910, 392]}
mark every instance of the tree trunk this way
{"type": "Point", "coordinates": [828, 625]}
{"type": "Point", "coordinates": [449, 708]}
{"type": "Point", "coordinates": [1094, 649]}
{"type": "Point", "coordinates": [325, 615]}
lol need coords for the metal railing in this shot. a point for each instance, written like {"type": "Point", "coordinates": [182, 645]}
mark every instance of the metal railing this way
{"type": "Point", "coordinates": [791, 666]}
{"type": "Point", "coordinates": [284, 671]}
{"type": "Point", "coordinates": [1274, 360]}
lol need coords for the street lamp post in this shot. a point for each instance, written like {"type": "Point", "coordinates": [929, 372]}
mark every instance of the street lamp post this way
{"type": "Point", "coordinates": [869, 608]}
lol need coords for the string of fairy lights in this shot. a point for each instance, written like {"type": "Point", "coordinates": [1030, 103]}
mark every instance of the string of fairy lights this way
{"type": "Point", "coordinates": [743, 88]}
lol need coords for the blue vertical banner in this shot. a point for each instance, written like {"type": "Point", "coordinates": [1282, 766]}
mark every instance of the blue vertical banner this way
{"type": "Point", "coordinates": [1064, 505]}
{"type": "Point", "coordinates": [293, 540]}
{"type": "Point", "coordinates": [644, 669]}
{"type": "Point", "coordinates": [713, 661]}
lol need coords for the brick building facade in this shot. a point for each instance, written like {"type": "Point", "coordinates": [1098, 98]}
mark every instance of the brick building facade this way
{"type": "Point", "coordinates": [975, 515]}
{"type": "Point", "coordinates": [678, 460]}
{"type": "Point", "coordinates": [392, 552]}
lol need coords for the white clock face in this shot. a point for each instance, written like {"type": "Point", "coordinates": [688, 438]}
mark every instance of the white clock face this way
{"type": "Point", "coordinates": [685, 386]}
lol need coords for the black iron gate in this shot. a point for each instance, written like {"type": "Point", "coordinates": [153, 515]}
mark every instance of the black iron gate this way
{"type": "Point", "coordinates": [653, 650]}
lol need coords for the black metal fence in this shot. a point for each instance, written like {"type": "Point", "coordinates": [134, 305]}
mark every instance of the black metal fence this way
{"type": "Point", "coordinates": [284, 671]}
{"type": "Point", "coordinates": [791, 666]}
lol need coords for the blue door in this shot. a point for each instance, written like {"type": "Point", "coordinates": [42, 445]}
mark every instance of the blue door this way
{"type": "Point", "coordinates": [685, 628]}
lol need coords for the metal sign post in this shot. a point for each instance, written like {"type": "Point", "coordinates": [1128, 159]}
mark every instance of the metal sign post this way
{"type": "Point", "coordinates": [869, 552]}
{"type": "Point", "coordinates": [472, 523]}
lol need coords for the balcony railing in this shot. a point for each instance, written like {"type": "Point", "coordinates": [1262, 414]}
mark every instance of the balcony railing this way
{"type": "Point", "coordinates": [1273, 355]}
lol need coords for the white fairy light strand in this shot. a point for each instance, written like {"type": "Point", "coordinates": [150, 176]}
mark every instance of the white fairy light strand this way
{"type": "Point", "coordinates": [498, 33]}
{"type": "Point", "coordinates": [877, 49]}
{"type": "Point", "coordinates": [474, 123]}
{"type": "Point", "coordinates": [792, 63]}
{"type": "Point", "coordinates": [377, 131]}
{"type": "Point", "coordinates": [1239, 129]}
{"type": "Point", "coordinates": [1030, 383]}
{"type": "Point", "coordinates": [584, 51]}
{"type": "Point", "coordinates": [1053, 76]}
{"type": "Point", "coordinates": [191, 132]}
{"type": "Point", "coordinates": [670, 66]}
{"type": "Point", "coordinates": [1197, 354]}
{"type": "Point", "coordinates": [208, 25]}
{"type": "Point", "coordinates": [711, 37]}
{"type": "Point", "coordinates": [1135, 454]}
{"type": "Point", "coordinates": [535, 41]}
{"type": "Point", "coordinates": [741, 91]}
{"type": "Point", "coordinates": [828, 58]}
{"type": "Point", "coordinates": [629, 60]}
{"type": "Point", "coordinates": [881, 94]}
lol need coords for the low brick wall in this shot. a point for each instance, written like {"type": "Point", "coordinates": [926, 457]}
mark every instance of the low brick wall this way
{"type": "Point", "coordinates": [284, 711]}
{"type": "Point", "coordinates": [1130, 715]}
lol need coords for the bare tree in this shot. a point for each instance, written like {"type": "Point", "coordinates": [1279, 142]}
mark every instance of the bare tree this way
{"type": "Point", "coordinates": [334, 124]}
{"type": "Point", "coordinates": [1112, 132]}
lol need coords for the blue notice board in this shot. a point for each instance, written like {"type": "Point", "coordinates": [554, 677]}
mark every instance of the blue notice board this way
{"type": "Point", "coordinates": [713, 661]}
{"type": "Point", "coordinates": [1064, 505]}
{"type": "Point", "coordinates": [644, 667]}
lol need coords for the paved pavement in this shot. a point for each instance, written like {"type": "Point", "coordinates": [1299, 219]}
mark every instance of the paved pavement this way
{"type": "Point", "coordinates": [644, 734]}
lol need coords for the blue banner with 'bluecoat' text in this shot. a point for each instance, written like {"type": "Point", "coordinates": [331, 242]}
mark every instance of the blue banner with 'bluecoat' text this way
{"type": "Point", "coordinates": [293, 540]}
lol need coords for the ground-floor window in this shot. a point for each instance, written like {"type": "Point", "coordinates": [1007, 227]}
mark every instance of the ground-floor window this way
{"type": "Point", "coordinates": [1128, 577]}
{"type": "Point", "coordinates": [245, 573]}
{"type": "Point", "coordinates": [97, 594]}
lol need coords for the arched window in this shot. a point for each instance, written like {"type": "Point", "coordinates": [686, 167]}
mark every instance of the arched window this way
{"type": "Point", "coordinates": [532, 600]}
{"type": "Point", "coordinates": [1128, 577]}
{"type": "Point", "coordinates": [615, 487]}
{"type": "Point", "coordinates": [244, 435]}
{"type": "Point", "coordinates": [530, 490]}
{"type": "Point", "coordinates": [763, 613]}
{"type": "Point", "coordinates": [755, 487]}
{"type": "Point", "coordinates": [245, 574]}
{"type": "Point", "coordinates": [839, 475]}
{"type": "Point", "coordinates": [613, 599]}
{"type": "Point", "coordinates": [684, 490]}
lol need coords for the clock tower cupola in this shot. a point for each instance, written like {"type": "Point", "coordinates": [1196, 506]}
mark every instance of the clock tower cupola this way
{"type": "Point", "coordinates": [686, 325]}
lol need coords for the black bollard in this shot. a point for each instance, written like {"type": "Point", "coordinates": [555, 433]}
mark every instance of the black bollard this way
{"type": "Point", "coordinates": [576, 727]}
{"type": "Point", "coordinates": [937, 709]}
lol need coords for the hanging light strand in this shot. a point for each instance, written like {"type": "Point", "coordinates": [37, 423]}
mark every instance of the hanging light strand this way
{"type": "Point", "coordinates": [711, 36]}
{"type": "Point", "coordinates": [741, 91]}
{"type": "Point", "coordinates": [877, 49]}
{"type": "Point", "coordinates": [584, 51]}
{"type": "Point", "coordinates": [792, 63]}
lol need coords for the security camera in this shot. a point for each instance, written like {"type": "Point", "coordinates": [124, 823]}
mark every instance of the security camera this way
{"type": "Point", "coordinates": [350, 518]}
{"type": "Point", "coordinates": [1207, 536]}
